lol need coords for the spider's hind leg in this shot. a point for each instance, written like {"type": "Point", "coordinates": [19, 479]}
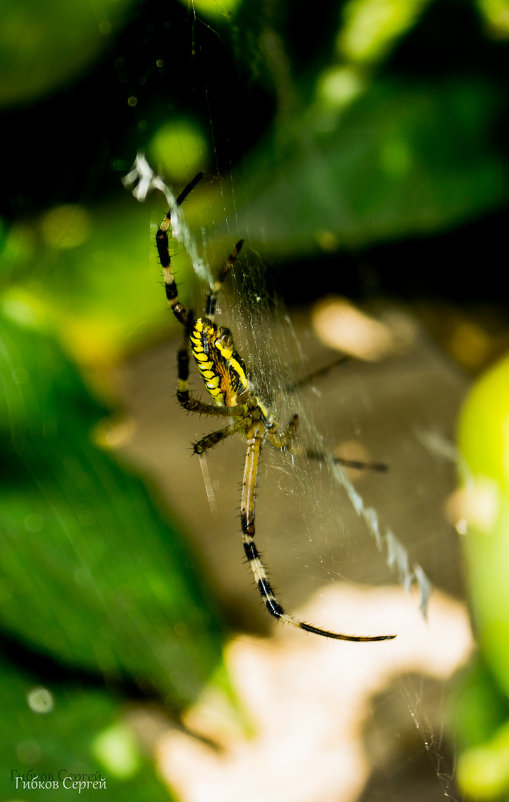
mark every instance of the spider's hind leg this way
{"type": "Point", "coordinates": [255, 435]}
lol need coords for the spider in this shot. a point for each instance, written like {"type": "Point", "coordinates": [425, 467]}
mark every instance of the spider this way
{"type": "Point", "coordinates": [233, 398]}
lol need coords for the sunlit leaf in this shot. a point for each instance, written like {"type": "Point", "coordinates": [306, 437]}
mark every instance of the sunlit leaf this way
{"type": "Point", "coordinates": [92, 274]}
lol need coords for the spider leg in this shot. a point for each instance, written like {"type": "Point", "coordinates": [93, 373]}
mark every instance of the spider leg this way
{"type": "Point", "coordinates": [212, 439]}
{"type": "Point", "coordinates": [356, 464]}
{"type": "Point", "coordinates": [255, 436]}
{"type": "Point", "coordinates": [315, 374]}
{"type": "Point", "coordinates": [284, 440]}
{"type": "Point", "coordinates": [170, 285]}
{"type": "Point", "coordinates": [210, 306]}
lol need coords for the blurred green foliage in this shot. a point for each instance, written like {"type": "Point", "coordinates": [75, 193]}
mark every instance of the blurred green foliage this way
{"type": "Point", "coordinates": [482, 705]}
{"type": "Point", "coordinates": [43, 47]}
{"type": "Point", "coordinates": [401, 160]}
{"type": "Point", "coordinates": [92, 578]}
{"type": "Point", "coordinates": [59, 732]}
{"type": "Point", "coordinates": [80, 290]}
{"type": "Point", "coordinates": [484, 450]}
{"type": "Point", "coordinates": [90, 573]}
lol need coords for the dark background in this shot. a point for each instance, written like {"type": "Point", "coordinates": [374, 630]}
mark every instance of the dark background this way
{"type": "Point", "coordinates": [216, 72]}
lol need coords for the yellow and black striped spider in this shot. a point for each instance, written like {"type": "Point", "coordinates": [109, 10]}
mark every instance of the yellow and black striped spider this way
{"type": "Point", "coordinates": [234, 398]}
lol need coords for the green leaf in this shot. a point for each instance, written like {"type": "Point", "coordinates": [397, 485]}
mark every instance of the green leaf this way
{"type": "Point", "coordinates": [98, 285]}
{"type": "Point", "coordinates": [35, 58]}
{"type": "Point", "coordinates": [483, 439]}
{"type": "Point", "coordinates": [90, 573]}
{"type": "Point", "coordinates": [60, 734]}
{"type": "Point", "coordinates": [401, 160]}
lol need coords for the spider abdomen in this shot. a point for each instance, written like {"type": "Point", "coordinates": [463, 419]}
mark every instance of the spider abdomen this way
{"type": "Point", "coordinates": [218, 362]}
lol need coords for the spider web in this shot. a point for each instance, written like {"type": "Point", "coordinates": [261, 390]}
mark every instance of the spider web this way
{"type": "Point", "coordinates": [143, 179]}
{"type": "Point", "coordinates": [321, 527]}
{"type": "Point", "coordinates": [319, 502]}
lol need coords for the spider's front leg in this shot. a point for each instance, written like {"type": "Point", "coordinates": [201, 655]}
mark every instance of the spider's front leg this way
{"type": "Point", "coordinates": [170, 285]}
{"type": "Point", "coordinates": [163, 250]}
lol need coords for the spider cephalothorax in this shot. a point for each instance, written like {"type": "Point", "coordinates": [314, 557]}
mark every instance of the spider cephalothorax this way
{"type": "Point", "coordinates": [226, 380]}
